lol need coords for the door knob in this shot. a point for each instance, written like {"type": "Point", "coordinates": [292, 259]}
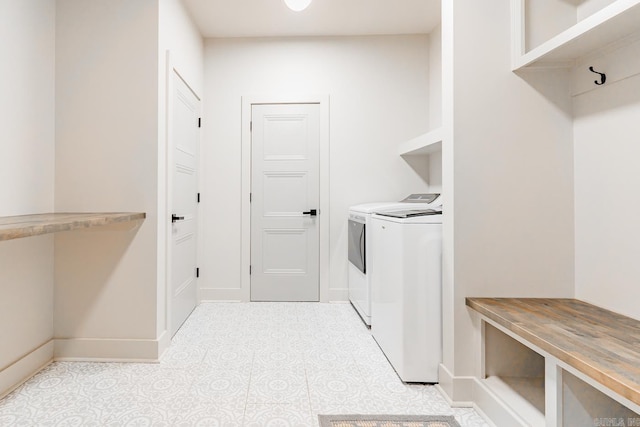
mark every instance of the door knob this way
{"type": "Point", "coordinates": [312, 212]}
{"type": "Point", "coordinates": [175, 218]}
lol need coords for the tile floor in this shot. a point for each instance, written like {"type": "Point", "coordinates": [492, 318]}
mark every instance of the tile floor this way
{"type": "Point", "coordinates": [233, 364]}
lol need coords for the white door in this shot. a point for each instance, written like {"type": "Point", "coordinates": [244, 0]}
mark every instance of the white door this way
{"type": "Point", "coordinates": [285, 187]}
{"type": "Point", "coordinates": [185, 137]}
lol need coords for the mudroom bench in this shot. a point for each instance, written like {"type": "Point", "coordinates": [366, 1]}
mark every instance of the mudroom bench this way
{"type": "Point", "coordinates": [560, 362]}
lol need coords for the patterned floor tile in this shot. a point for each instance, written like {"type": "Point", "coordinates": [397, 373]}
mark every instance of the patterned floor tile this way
{"type": "Point", "coordinates": [182, 356]}
{"type": "Point", "coordinates": [236, 358]}
{"type": "Point", "coordinates": [277, 416]}
{"type": "Point", "coordinates": [329, 359]}
{"type": "Point", "coordinates": [278, 358]}
{"type": "Point", "coordinates": [222, 386]}
{"type": "Point", "coordinates": [342, 387]}
{"type": "Point", "coordinates": [284, 386]}
{"type": "Point", "coordinates": [204, 413]}
{"type": "Point", "coordinates": [234, 365]}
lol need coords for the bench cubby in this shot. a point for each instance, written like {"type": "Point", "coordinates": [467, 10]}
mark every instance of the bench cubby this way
{"type": "Point", "coordinates": [560, 362]}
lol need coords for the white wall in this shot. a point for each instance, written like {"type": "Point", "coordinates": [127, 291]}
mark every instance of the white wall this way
{"type": "Point", "coordinates": [107, 160]}
{"type": "Point", "coordinates": [180, 37]}
{"type": "Point", "coordinates": [509, 170]}
{"type": "Point", "coordinates": [27, 49]}
{"type": "Point", "coordinates": [179, 34]}
{"type": "Point", "coordinates": [378, 88]}
{"type": "Point", "coordinates": [27, 46]}
{"type": "Point", "coordinates": [607, 229]}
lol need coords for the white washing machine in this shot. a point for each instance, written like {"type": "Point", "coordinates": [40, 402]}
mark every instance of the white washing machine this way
{"type": "Point", "coordinates": [407, 292]}
{"type": "Point", "coordinates": [360, 246]}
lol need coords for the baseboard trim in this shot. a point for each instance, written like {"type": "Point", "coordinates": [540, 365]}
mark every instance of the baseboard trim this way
{"type": "Point", "coordinates": [14, 375]}
{"type": "Point", "coordinates": [81, 350]}
{"type": "Point", "coordinates": [484, 416]}
{"type": "Point", "coordinates": [164, 341]}
{"type": "Point", "coordinates": [470, 392]}
{"type": "Point", "coordinates": [339, 295]}
{"type": "Point", "coordinates": [457, 390]}
{"type": "Point", "coordinates": [108, 350]}
{"type": "Point", "coordinates": [220, 295]}
{"type": "Point", "coordinates": [493, 408]}
{"type": "Point", "coordinates": [235, 295]}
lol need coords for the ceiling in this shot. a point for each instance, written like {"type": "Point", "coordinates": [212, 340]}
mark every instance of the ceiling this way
{"type": "Point", "coordinates": [271, 18]}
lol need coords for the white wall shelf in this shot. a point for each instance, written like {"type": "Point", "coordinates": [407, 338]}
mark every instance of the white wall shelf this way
{"type": "Point", "coordinates": [605, 27]}
{"type": "Point", "coordinates": [422, 145]}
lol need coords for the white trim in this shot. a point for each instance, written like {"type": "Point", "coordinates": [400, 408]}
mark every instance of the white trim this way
{"type": "Point", "coordinates": [109, 350]}
{"type": "Point", "coordinates": [164, 341]}
{"type": "Point", "coordinates": [163, 216]}
{"type": "Point", "coordinates": [221, 295]}
{"type": "Point", "coordinates": [518, 36]}
{"type": "Point", "coordinates": [594, 32]}
{"type": "Point", "coordinates": [339, 295]}
{"type": "Point", "coordinates": [14, 375]}
{"type": "Point", "coordinates": [493, 408]}
{"type": "Point", "coordinates": [469, 392]}
{"type": "Point", "coordinates": [245, 246]}
{"type": "Point", "coordinates": [79, 350]}
{"type": "Point", "coordinates": [458, 391]}
{"type": "Point", "coordinates": [553, 388]}
{"type": "Point", "coordinates": [484, 416]}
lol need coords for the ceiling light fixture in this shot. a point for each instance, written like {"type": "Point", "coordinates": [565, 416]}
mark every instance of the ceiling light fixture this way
{"type": "Point", "coordinates": [297, 5]}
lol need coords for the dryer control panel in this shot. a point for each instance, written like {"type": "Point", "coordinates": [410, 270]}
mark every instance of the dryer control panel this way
{"type": "Point", "coordinates": [420, 198]}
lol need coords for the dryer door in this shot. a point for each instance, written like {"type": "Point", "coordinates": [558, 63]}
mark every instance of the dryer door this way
{"type": "Point", "coordinates": [357, 245]}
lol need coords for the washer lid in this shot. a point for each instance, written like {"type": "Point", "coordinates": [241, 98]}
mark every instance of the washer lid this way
{"type": "Point", "coordinates": [412, 201]}
{"type": "Point", "coordinates": [421, 219]}
{"type": "Point", "coordinates": [408, 213]}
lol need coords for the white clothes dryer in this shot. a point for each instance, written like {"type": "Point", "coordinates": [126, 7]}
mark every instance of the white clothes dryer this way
{"type": "Point", "coordinates": [406, 301]}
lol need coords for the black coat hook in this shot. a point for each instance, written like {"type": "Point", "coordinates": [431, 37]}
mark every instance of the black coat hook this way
{"type": "Point", "coordinates": [603, 77]}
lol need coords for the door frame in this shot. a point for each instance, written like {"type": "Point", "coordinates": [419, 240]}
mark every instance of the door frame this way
{"type": "Point", "coordinates": [323, 217]}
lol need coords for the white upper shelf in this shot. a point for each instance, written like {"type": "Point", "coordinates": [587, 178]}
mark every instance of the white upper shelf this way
{"type": "Point", "coordinates": [612, 23]}
{"type": "Point", "coordinates": [425, 144]}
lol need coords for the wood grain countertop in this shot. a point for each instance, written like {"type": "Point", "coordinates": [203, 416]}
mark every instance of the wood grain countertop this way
{"type": "Point", "coordinates": [599, 343]}
{"type": "Point", "coordinates": [15, 227]}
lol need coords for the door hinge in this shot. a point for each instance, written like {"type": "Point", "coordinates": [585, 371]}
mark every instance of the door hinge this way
{"type": "Point", "coordinates": [251, 126]}
{"type": "Point", "coordinates": [198, 198]}
{"type": "Point", "coordinates": [199, 122]}
{"type": "Point", "coordinates": [249, 270]}
{"type": "Point", "coordinates": [250, 197]}
{"type": "Point", "coordinates": [197, 272]}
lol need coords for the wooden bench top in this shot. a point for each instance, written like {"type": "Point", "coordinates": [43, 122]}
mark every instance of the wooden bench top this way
{"type": "Point", "coordinates": [599, 343]}
{"type": "Point", "coordinates": [15, 227]}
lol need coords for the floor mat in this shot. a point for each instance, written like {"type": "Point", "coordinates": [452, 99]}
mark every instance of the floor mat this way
{"type": "Point", "coordinates": [387, 421]}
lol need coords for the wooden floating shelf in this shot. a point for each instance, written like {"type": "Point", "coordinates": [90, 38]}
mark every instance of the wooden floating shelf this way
{"type": "Point", "coordinates": [599, 343]}
{"type": "Point", "coordinates": [423, 145]}
{"type": "Point", "coordinates": [16, 227]}
{"type": "Point", "coordinates": [605, 27]}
